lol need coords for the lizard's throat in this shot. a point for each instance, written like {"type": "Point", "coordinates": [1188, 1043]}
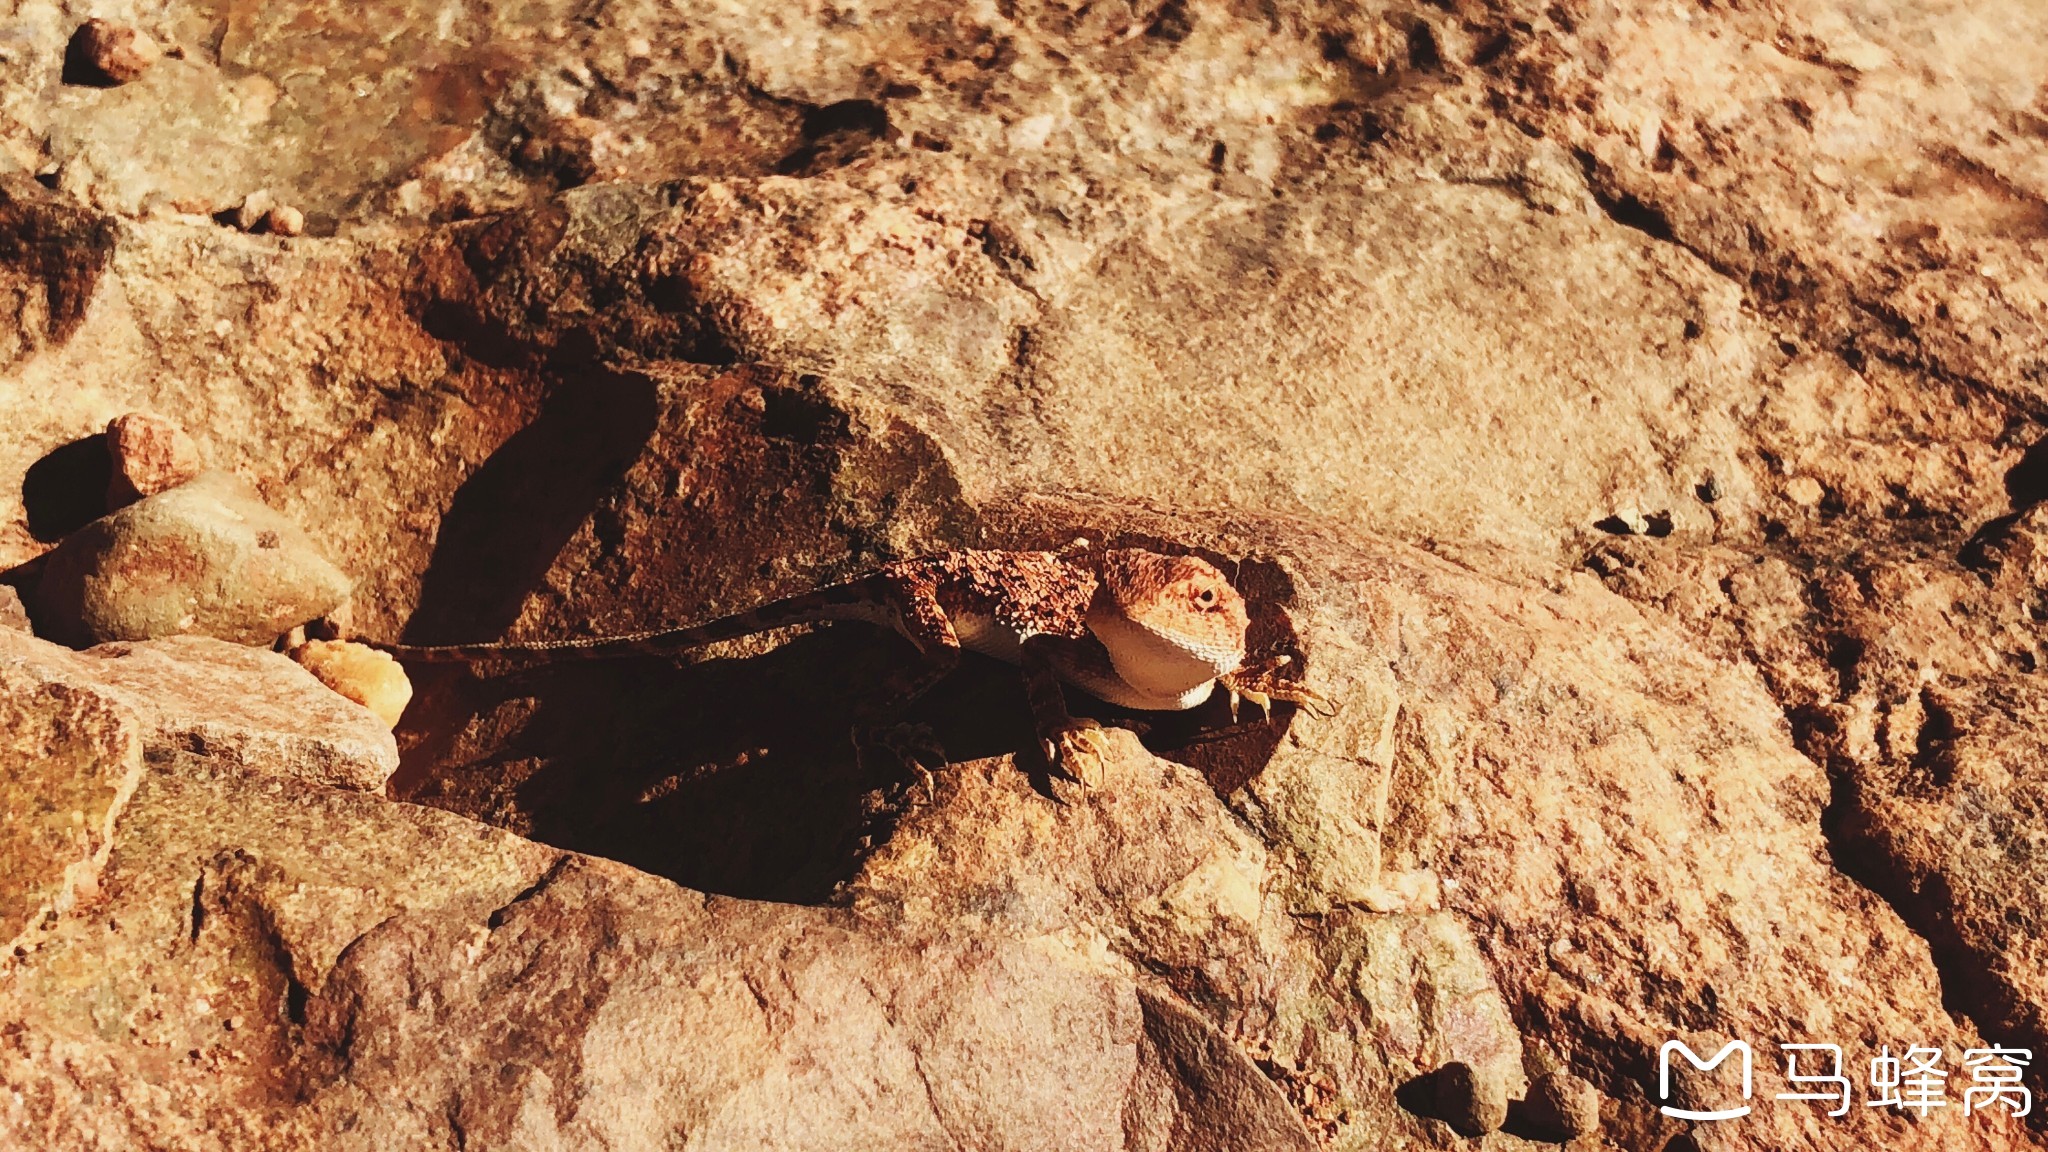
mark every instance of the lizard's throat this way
{"type": "Point", "coordinates": [1167, 668]}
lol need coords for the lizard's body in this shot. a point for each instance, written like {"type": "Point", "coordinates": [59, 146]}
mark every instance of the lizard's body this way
{"type": "Point", "coordinates": [1134, 628]}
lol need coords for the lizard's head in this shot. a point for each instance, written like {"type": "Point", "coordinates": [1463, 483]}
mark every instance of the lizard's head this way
{"type": "Point", "coordinates": [1171, 624]}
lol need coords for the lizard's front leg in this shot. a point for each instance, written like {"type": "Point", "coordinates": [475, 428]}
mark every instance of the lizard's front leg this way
{"type": "Point", "coordinates": [1260, 684]}
{"type": "Point", "coordinates": [922, 620]}
{"type": "Point", "coordinates": [1070, 745]}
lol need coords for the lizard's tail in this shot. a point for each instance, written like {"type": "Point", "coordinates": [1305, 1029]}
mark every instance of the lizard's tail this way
{"type": "Point", "coordinates": [852, 601]}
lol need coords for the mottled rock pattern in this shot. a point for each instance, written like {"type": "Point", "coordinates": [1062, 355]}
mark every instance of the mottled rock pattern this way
{"type": "Point", "coordinates": [246, 710]}
{"type": "Point", "coordinates": [70, 759]}
{"type": "Point", "coordinates": [206, 558]}
{"type": "Point", "coordinates": [629, 316]}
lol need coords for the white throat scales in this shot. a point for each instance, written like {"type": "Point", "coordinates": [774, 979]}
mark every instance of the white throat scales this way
{"type": "Point", "coordinates": [1170, 672]}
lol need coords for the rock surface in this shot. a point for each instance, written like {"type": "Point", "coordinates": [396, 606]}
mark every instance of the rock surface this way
{"type": "Point", "coordinates": [246, 710]}
{"type": "Point", "coordinates": [69, 762]}
{"type": "Point", "coordinates": [1630, 413]}
{"type": "Point", "coordinates": [206, 558]}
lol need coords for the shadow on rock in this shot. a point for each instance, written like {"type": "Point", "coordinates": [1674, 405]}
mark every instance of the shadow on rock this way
{"type": "Point", "coordinates": [513, 515]}
{"type": "Point", "coordinates": [734, 775]}
{"type": "Point", "coordinates": [739, 776]}
{"type": "Point", "coordinates": [67, 489]}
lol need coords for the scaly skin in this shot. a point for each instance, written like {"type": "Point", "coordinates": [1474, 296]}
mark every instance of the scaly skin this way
{"type": "Point", "coordinates": [1134, 628]}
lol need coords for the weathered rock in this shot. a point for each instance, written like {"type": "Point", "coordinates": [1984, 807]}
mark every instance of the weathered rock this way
{"type": "Point", "coordinates": [70, 759]}
{"type": "Point", "coordinates": [652, 1011]}
{"type": "Point", "coordinates": [12, 614]}
{"type": "Point", "coordinates": [284, 220]}
{"type": "Point", "coordinates": [106, 52]}
{"type": "Point", "coordinates": [361, 673]}
{"type": "Point", "coordinates": [1467, 1101]}
{"type": "Point", "coordinates": [1475, 275]}
{"type": "Point", "coordinates": [149, 454]}
{"type": "Point", "coordinates": [246, 710]}
{"type": "Point", "coordinates": [1561, 1106]}
{"type": "Point", "coordinates": [254, 209]}
{"type": "Point", "coordinates": [206, 558]}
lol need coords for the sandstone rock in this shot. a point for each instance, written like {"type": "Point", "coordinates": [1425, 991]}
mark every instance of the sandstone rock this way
{"type": "Point", "coordinates": [284, 220]}
{"type": "Point", "coordinates": [1474, 276]}
{"type": "Point", "coordinates": [1804, 491]}
{"type": "Point", "coordinates": [361, 673]}
{"type": "Point", "coordinates": [70, 759]}
{"type": "Point", "coordinates": [242, 709]}
{"type": "Point", "coordinates": [150, 454]}
{"type": "Point", "coordinates": [106, 52]}
{"type": "Point", "coordinates": [656, 1010]}
{"type": "Point", "coordinates": [1562, 1106]}
{"type": "Point", "coordinates": [254, 210]}
{"type": "Point", "coordinates": [1472, 1104]}
{"type": "Point", "coordinates": [206, 557]}
{"type": "Point", "coordinates": [12, 614]}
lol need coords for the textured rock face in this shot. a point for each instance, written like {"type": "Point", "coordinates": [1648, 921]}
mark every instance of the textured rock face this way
{"type": "Point", "coordinates": [254, 711]}
{"type": "Point", "coordinates": [1628, 413]}
{"type": "Point", "coordinates": [71, 761]}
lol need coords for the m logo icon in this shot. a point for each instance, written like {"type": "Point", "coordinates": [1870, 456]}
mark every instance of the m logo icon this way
{"type": "Point", "coordinates": [1691, 1057]}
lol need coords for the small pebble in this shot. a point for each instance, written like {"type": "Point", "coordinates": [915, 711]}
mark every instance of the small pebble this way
{"type": "Point", "coordinates": [150, 455]}
{"type": "Point", "coordinates": [1709, 489]}
{"type": "Point", "coordinates": [1804, 491]}
{"type": "Point", "coordinates": [111, 53]}
{"type": "Point", "coordinates": [1563, 1106]}
{"type": "Point", "coordinates": [361, 673]}
{"type": "Point", "coordinates": [255, 209]}
{"type": "Point", "coordinates": [284, 220]}
{"type": "Point", "coordinates": [1471, 1103]}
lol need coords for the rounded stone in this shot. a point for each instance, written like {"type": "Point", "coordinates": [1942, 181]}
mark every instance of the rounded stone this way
{"type": "Point", "coordinates": [1562, 1106]}
{"type": "Point", "coordinates": [361, 673]}
{"type": "Point", "coordinates": [1467, 1101]}
{"type": "Point", "coordinates": [206, 558]}
{"type": "Point", "coordinates": [149, 454]}
{"type": "Point", "coordinates": [112, 53]}
{"type": "Point", "coordinates": [284, 220]}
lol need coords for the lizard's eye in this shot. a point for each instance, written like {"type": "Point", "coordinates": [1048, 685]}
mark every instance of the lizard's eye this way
{"type": "Point", "coordinates": [1206, 598]}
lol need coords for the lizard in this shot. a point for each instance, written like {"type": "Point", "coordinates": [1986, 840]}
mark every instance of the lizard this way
{"type": "Point", "coordinates": [1134, 628]}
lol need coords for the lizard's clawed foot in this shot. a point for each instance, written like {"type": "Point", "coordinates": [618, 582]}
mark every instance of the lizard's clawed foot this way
{"type": "Point", "coordinates": [1260, 684]}
{"type": "Point", "coordinates": [914, 746]}
{"type": "Point", "coordinates": [1077, 750]}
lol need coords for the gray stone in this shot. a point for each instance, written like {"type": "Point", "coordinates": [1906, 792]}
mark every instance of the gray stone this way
{"type": "Point", "coordinates": [205, 558]}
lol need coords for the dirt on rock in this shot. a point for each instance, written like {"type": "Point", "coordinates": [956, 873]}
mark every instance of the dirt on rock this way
{"type": "Point", "coordinates": [1630, 417]}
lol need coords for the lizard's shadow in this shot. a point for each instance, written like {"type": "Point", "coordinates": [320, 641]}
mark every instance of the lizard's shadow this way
{"type": "Point", "coordinates": [735, 775]}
